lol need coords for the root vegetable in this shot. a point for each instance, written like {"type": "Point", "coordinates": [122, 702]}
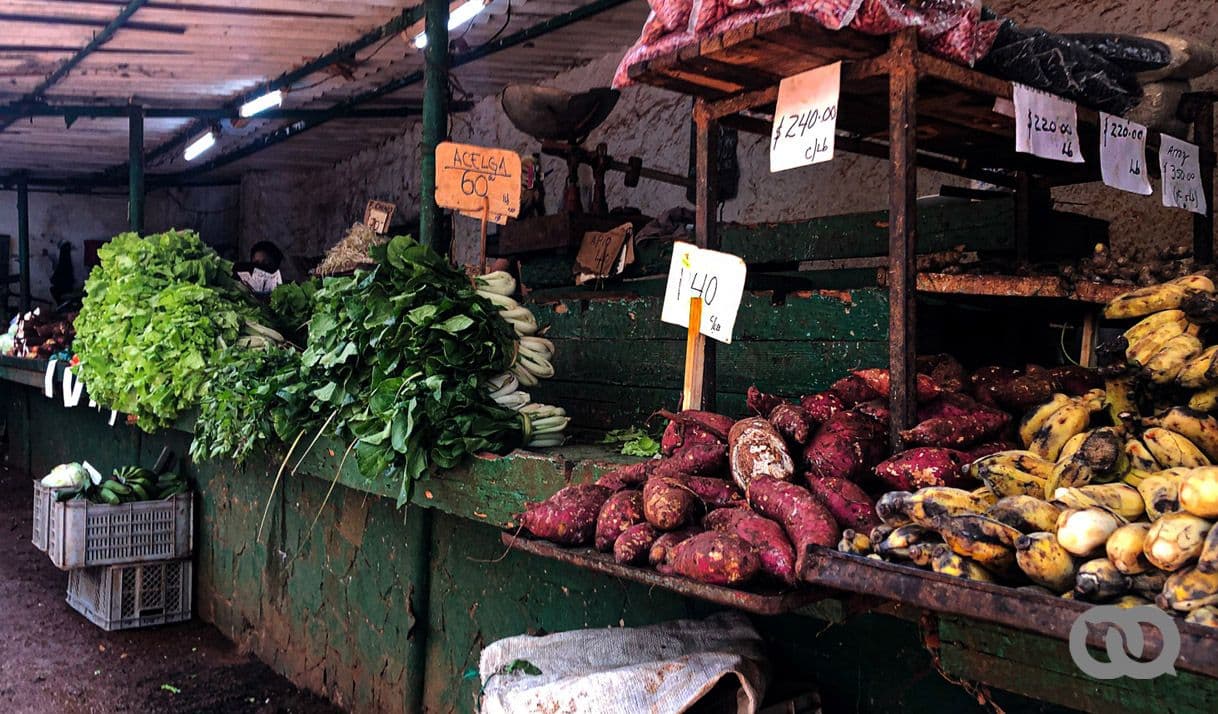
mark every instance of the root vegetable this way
{"type": "Point", "coordinates": [715, 558]}
{"type": "Point", "coordinates": [620, 511]}
{"type": "Point", "coordinates": [879, 381]}
{"type": "Point", "coordinates": [850, 506]}
{"type": "Point", "coordinates": [695, 460]}
{"type": "Point", "coordinates": [632, 475]}
{"type": "Point", "coordinates": [847, 446]}
{"type": "Point", "coordinates": [852, 389]}
{"type": "Point", "coordinates": [924, 466]}
{"type": "Point", "coordinates": [958, 431]}
{"type": "Point", "coordinates": [568, 517]}
{"type": "Point", "coordinates": [661, 551]}
{"type": "Point", "coordinates": [634, 543]}
{"type": "Point", "coordinates": [668, 503]}
{"type": "Point", "coordinates": [804, 519]}
{"type": "Point", "coordinates": [795, 425]}
{"type": "Point", "coordinates": [774, 549]}
{"type": "Point", "coordinates": [821, 407]}
{"type": "Point", "coordinates": [760, 403]}
{"type": "Point", "coordinates": [714, 492]}
{"type": "Point", "coordinates": [757, 449]}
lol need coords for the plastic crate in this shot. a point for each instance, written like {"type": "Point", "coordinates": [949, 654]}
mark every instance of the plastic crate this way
{"type": "Point", "coordinates": [120, 597]}
{"type": "Point", "coordinates": [44, 497]}
{"type": "Point", "coordinates": [84, 535]}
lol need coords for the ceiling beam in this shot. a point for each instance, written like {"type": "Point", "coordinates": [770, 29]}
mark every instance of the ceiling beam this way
{"type": "Point", "coordinates": [72, 112]}
{"type": "Point", "coordinates": [69, 64]}
{"type": "Point", "coordinates": [285, 81]}
{"type": "Point", "coordinates": [530, 33]}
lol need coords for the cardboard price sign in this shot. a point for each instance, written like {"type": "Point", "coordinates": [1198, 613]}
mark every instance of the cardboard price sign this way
{"type": "Point", "coordinates": [805, 120]}
{"type": "Point", "coordinates": [478, 181]}
{"type": "Point", "coordinates": [715, 279]}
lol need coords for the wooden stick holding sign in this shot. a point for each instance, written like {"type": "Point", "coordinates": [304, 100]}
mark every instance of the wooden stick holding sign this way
{"type": "Point", "coordinates": [479, 182]}
{"type": "Point", "coordinates": [486, 215]}
{"type": "Point", "coordinates": [694, 342]}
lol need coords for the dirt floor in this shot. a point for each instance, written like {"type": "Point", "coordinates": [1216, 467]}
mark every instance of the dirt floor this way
{"type": "Point", "coordinates": [54, 660]}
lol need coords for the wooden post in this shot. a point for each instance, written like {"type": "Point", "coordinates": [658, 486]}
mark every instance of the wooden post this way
{"type": "Point", "coordinates": [23, 242]}
{"type": "Point", "coordinates": [1203, 225]}
{"type": "Point", "coordinates": [706, 235]}
{"type": "Point", "coordinates": [135, 162]}
{"type": "Point", "coordinates": [1086, 353]}
{"type": "Point", "coordinates": [435, 121]}
{"type": "Point", "coordinates": [902, 228]}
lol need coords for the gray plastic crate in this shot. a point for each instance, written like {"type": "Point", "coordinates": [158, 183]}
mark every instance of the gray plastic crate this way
{"type": "Point", "coordinates": [84, 535]}
{"type": "Point", "coordinates": [44, 497]}
{"type": "Point", "coordinates": [121, 597]}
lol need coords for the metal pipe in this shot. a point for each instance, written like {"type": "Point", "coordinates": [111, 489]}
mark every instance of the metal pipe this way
{"type": "Point", "coordinates": [435, 120]}
{"type": "Point", "coordinates": [135, 160]}
{"type": "Point", "coordinates": [23, 242]}
{"type": "Point", "coordinates": [86, 111]}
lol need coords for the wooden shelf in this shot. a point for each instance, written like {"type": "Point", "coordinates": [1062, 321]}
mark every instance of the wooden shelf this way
{"type": "Point", "coordinates": [1015, 286]}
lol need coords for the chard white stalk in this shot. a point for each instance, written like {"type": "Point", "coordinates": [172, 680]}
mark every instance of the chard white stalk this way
{"type": "Point", "coordinates": [540, 345]}
{"type": "Point", "coordinates": [497, 282]}
{"type": "Point", "coordinates": [547, 440]}
{"type": "Point", "coordinates": [550, 424]}
{"type": "Point", "coordinates": [503, 302]}
{"type": "Point", "coordinates": [523, 328]}
{"type": "Point", "coordinates": [502, 384]}
{"type": "Point", "coordinates": [514, 400]}
{"type": "Point", "coordinates": [540, 411]}
{"type": "Point", "coordinates": [538, 366]}
{"type": "Point", "coordinates": [525, 377]}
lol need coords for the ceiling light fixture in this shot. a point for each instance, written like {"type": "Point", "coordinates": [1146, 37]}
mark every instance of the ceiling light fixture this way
{"type": "Point", "coordinates": [200, 145]}
{"type": "Point", "coordinates": [262, 103]}
{"type": "Point", "coordinates": [457, 17]}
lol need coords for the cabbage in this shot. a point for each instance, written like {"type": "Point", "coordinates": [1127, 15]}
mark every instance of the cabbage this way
{"type": "Point", "coordinates": [66, 476]}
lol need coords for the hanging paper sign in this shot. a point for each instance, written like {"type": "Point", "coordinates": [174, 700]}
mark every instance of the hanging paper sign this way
{"type": "Point", "coordinates": [377, 215]}
{"type": "Point", "coordinates": [1123, 154]}
{"type": "Point", "coordinates": [48, 380]}
{"type": "Point", "coordinates": [805, 120]}
{"type": "Point", "coordinates": [1046, 125]}
{"type": "Point", "coordinates": [717, 278]}
{"type": "Point", "coordinates": [72, 388]}
{"type": "Point", "coordinates": [1180, 168]}
{"type": "Point", "coordinates": [471, 178]}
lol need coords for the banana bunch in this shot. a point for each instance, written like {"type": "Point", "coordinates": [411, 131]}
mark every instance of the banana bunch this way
{"type": "Point", "coordinates": [134, 483]}
{"type": "Point", "coordinates": [1046, 429]}
{"type": "Point", "coordinates": [1157, 298]}
{"type": "Point", "coordinates": [533, 353]}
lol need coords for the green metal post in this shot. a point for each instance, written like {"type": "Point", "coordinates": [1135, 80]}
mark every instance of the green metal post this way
{"type": "Point", "coordinates": [435, 120]}
{"type": "Point", "coordinates": [418, 568]}
{"type": "Point", "coordinates": [23, 240]}
{"type": "Point", "coordinates": [135, 148]}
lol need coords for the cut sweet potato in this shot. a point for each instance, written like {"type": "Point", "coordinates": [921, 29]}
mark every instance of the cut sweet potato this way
{"type": "Point", "coordinates": [757, 449]}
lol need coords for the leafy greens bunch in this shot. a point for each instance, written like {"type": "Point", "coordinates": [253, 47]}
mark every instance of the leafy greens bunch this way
{"type": "Point", "coordinates": [156, 311]}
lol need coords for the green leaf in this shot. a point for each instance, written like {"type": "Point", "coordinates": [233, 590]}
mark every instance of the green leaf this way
{"type": "Point", "coordinates": [456, 324]}
{"type": "Point", "coordinates": [521, 666]}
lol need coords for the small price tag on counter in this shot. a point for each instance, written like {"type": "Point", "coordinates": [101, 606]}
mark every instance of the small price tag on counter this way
{"type": "Point", "coordinates": [1180, 168]}
{"type": "Point", "coordinates": [715, 278]}
{"type": "Point", "coordinates": [477, 181]}
{"type": "Point", "coordinates": [1046, 125]}
{"type": "Point", "coordinates": [1123, 154]}
{"type": "Point", "coordinates": [805, 120]}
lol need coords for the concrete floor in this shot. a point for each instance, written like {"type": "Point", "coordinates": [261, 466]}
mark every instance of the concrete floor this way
{"type": "Point", "coordinates": [54, 660]}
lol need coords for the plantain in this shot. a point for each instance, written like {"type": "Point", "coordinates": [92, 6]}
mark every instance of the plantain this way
{"type": "Point", "coordinates": [920, 554]}
{"type": "Point", "coordinates": [989, 542]}
{"type": "Point", "coordinates": [1195, 283]}
{"type": "Point", "coordinates": [1027, 514]}
{"type": "Point", "coordinates": [1172, 449]}
{"type": "Point", "coordinates": [1067, 474]}
{"type": "Point", "coordinates": [1119, 398]}
{"type": "Point", "coordinates": [1168, 362]}
{"type": "Point", "coordinates": [1175, 540]}
{"type": "Point", "coordinates": [1201, 370]}
{"type": "Point", "coordinates": [1085, 531]}
{"type": "Point", "coordinates": [935, 502]}
{"type": "Point", "coordinates": [1117, 498]}
{"type": "Point", "coordinates": [893, 508]}
{"type": "Point", "coordinates": [1134, 477]}
{"type": "Point", "coordinates": [1148, 584]}
{"type": "Point", "coordinates": [1093, 401]}
{"type": "Point", "coordinates": [1099, 580]}
{"type": "Point", "coordinates": [1038, 415]}
{"type": "Point", "coordinates": [1207, 561]}
{"type": "Point", "coordinates": [1066, 422]}
{"type": "Point", "coordinates": [854, 543]}
{"type": "Point", "coordinates": [879, 533]}
{"type": "Point", "coordinates": [1072, 447]}
{"type": "Point", "coordinates": [1140, 352]}
{"type": "Point", "coordinates": [1139, 456]}
{"type": "Point", "coordinates": [1199, 492]}
{"type": "Point", "coordinates": [1150, 323]}
{"type": "Point", "coordinates": [1205, 400]}
{"type": "Point", "coordinates": [1129, 600]}
{"type": "Point", "coordinates": [1189, 590]}
{"type": "Point", "coordinates": [1206, 616]}
{"type": "Point", "coordinates": [1045, 561]}
{"type": "Point", "coordinates": [1160, 493]}
{"type": "Point", "coordinates": [1125, 548]}
{"type": "Point", "coordinates": [897, 544]}
{"type": "Point", "coordinates": [943, 560]}
{"type": "Point", "coordinates": [1004, 480]}
{"type": "Point", "coordinates": [1197, 427]}
{"type": "Point", "coordinates": [1145, 301]}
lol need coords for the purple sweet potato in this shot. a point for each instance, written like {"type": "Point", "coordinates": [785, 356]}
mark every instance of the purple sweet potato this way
{"type": "Point", "coordinates": [945, 370]}
{"type": "Point", "coordinates": [568, 517]}
{"type": "Point", "coordinates": [1074, 380]}
{"type": "Point", "coordinates": [760, 403]}
{"type": "Point", "coordinates": [678, 435]}
{"type": "Point", "coordinates": [990, 447]}
{"type": "Point", "coordinates": [695, 460]}
{"type": "Point", "coordinates": [847, 446]}
{"type": "Point", "coordinates": [850, 506]}
{"type": "Point", "coordinates": [957, 432]}
{"type": "Point", "coordinates": [949, 405]}
{"type": "Point", "coordinates": [795, 425]}
{"type": "Point", "coordinates": [622, 510]}
{"type": "Point", "coordinates": [715, 558]}
{"type": "Point", "coordinates": [632, 475]}
{"type": "Point", "coordinates": [634, 543]}
{"type": "Point", "coordinates": [773, 547]}
{"type": "Point", "coordinates": [987, 380]}
{"type": "Point", "coordinates": [876, 409]}
{"type": "Point", "coordinates": [804, 519]}
{"type": "Point", "coordinates": [661, 551]}
{"type": "Point", "coordinates": [879, 380]}
{"type": "Point", "coordinates": [714, 492]}
{"type": "Point", "coordinates": [757, 449]}
{"type": "Point", "coordinates": [668, 503]}
{"type": "Point", "coordinates": [1023, 391]}
{"type": "Point", "coordinates": [851, 390]}
{"type": "Point", "coordinates": [923, 466]}
{"type": "Point", "coordinates": [821, 407]}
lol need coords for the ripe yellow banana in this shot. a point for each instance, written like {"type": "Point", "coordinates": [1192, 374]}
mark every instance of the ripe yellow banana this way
{"type": "Point", "coordinates": [1197, 282]}
{"type": "Point", "coordinates": [1135, 477]}
{"type": "Point", "coordinates": [1045, 562]}
{"type": "Point", "coordinates": [1119, 398]}
{"type": "Point", "coordinates": [1121, 499]}
{"type": "Point", "coordinates": [1098, 580]}
{"type": "Point", "coordinates": [929, 504]}
{"type": "Point", "coordinates": [1125, 548]}
{"type": "Point", "coordinates": [1066, 422]}
{"type": "Point", "coordinates": [1150, 323]}
{"type": "Point", "coordinates": [1140, 352]}
{"type": "Point", "coordinates": [1189, 590]}
{"type": "Point", "coordinates": [1175, 540]}
{"type": "Point", "coordinates": [1205, 400]}
{"type": "Point", "coordinates": [1207, 561]}
{"type": "Point", "coordinates": [1201, 371]}
{"type": "Point", "coordinates": [1038, 415]}
{"type": "Point", "coordinates": [1072, 447]}
{"type": "Point", "coordinates": [1205, 616]}
{"type": "Point", "coordinates": [1140, 458]}
{"type": "Point", "coordinates": [1197, 427]}
{"type": "Point", "coordinates": [1005, 479]}
{"type": "Point", "coordinates": [1168, 362]}
{"type": "Point", "coordinates": [1145, 301]}
{"type": "Point", "coordinates": [1085, 531]}
{"type": "Point", "coordinates": [943, 560]}
{"type": "Point", "coordinates": [1027, 514]}
{"type": "Point", "coordinates": [989, 542]}
{"type": "Point", "coordinates": [1172, 450]}
{"type": "Point", "coordinates": [1199, 492]}
{"type": "Point", "coordinates": [1161, 494]}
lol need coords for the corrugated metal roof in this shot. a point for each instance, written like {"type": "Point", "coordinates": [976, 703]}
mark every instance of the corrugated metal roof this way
{"type": "Point", "coordinates": [209, 53]}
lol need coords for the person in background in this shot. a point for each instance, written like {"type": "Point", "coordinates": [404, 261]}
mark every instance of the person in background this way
{"type": "Point", "coordinates": [262, 273]}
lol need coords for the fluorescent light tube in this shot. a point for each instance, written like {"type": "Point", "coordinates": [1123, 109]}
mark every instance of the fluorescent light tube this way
{"type": "Point", "coordinates": [198, 146]}
{"type": "Point", "coordinates": [458, 17]}
{"type": "Point", "coordinates": [261, 104]}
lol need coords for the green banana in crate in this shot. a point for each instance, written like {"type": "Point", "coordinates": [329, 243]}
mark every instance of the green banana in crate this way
{"type": "Point", "coordinates": [1201, 371]}
{"type": "Point", "coordinates": [1027, 514]}
{"type": "Point", "coordinates": [1165, 366]}
{"type": "Point", "coordinates": [1126, 548]}
{"type": "Point", "coordinates": [1038, 415]}
{"type": "Point", "coordinates": [1171, 449]}
{"type": "Point", "coordinates": [1197, 427]}
{"type": "Point", "coordinates": [1045, 561]}
{"type": "Point", "coordinates": [1064, 424]}
{"type": "Point", "coordinates": [1099, 580]}
{"type": "Point", "coordinates": [1189, 590]}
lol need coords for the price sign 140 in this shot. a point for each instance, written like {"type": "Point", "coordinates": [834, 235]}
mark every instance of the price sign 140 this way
{"type": "Point", "coordinates": [717, 279]}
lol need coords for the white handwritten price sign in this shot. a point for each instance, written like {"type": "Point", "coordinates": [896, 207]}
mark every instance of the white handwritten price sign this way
{"type": "Point", "coordinates": [805, 120]}
{"type": "Point", "coordinates": [1180, 167]}
{"type": "Point", "coordinates": [717, 278]}
{"type": "Point", "coordinates": [1046, 125]}
{"type": "Point", "coordinates": [478, 181]}
{"type": "Point", "coordinates": [1123, 154]}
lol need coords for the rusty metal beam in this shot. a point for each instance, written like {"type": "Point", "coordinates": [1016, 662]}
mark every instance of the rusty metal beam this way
{"type": "Point", "coordinates": [902, 228]}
